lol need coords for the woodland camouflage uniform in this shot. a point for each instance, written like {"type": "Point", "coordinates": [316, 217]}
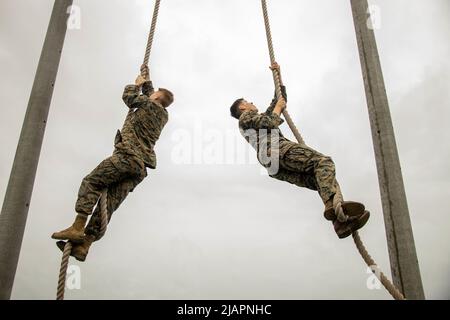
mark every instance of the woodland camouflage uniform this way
{"type": "Point", "coordinates": [133, 153]}
{"type": "Point", "coordinates": [298, 163]}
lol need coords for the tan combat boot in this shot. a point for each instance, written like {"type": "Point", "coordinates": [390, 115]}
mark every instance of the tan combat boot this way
{"type": "Point", "coordinates": [75, 233]}
{"type": "Point", "coordinates": [351, 209]}
{"type": "Point", "coordinates": [79, 251]}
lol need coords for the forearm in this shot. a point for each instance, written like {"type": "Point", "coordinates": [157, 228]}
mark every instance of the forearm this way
{"type": "Point", "coordinates": [279, 107]}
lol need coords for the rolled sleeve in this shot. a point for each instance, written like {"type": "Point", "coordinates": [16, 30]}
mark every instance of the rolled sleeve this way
{"type": "Point", "coordinates": [132, 97]}
{"type": "Point", "coordinates": [253, 120]}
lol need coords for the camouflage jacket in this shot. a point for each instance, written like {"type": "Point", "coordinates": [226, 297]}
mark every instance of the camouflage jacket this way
{"type": "Point", "coordinates": [143, 124]}
{"type": "Point", "coordinates": [260, 130]}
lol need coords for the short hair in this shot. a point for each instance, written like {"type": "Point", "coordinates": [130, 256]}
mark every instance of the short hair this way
{"type": "Point", "coordinates": [234, 110]}
{"type": "Point", "coordinates": [168, 97]}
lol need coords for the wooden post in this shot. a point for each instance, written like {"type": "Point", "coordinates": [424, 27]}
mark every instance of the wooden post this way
{"type": "Point", "coordinates": [20, 186]}
{"type": "Point", "coordinates": [402, 252]}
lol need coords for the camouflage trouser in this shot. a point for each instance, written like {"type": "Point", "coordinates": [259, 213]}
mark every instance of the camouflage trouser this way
{"type": "Point", "coordinates": [119, 174]}
{"type": "Point", "coordinates": [305, 167]}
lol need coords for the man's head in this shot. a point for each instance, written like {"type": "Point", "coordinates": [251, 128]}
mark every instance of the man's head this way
{"type": "Point", "coordinates": [240, 106]}
{"type": "Point", "coordinates": [163, 96]}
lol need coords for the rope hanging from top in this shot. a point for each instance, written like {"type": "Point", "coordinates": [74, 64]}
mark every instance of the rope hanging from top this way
{"type": "Point", "coordinates": [276, 76]}
{"type": "Point", "coordinates": [338, 199]}
{"type": "Point", "coordinates": [151, 34]}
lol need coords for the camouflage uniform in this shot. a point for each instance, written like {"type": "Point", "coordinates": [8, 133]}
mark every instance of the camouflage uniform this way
{"type": "Point", "coordinates": [298, 163]}
{"type": "Point", "coordinates": [133, 153]}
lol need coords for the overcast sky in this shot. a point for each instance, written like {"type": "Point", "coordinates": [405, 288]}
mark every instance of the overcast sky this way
{"type": "Point", "coordinates": [204, 227]}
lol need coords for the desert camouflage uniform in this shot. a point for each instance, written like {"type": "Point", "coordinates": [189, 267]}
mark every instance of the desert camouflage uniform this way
{"type": "Point", "coordinates": [298, 163]}
{"type": "Point", "coordinates": [133, 153]}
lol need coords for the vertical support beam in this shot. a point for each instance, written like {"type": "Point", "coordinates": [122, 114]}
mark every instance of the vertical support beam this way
{"type": "Point", "coordinates": [20, 186]}
{"type": "Point", "coordinates": [402, 252]}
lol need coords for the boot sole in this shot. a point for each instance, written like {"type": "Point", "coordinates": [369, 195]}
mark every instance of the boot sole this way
{"type": "Point", "coordinates": [72, 239]}
{"type": "Point", "coordinates": [355, 225]}
{"type": "Point", "coordinates": [62, 244]}
{"type": "Point", "coordinates": [351, 209]}
{"type": "Point", "coordinates": [361, 222]}
{"type": "Point", "coordinates": [79, 258]}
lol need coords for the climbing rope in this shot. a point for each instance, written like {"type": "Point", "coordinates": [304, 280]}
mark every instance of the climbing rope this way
{"type": "Point", "coordinates": [63, 271]}
{"type": "Point", "coordinates": [68, 247]}
{"type": "Point", "coordinates": [276, 76]}
{"type": "Point", "coordinates": [395, 293]}
{"type": "Point", "coordinates": [151, 34]}
{"type": "Point", "coordinates": [103, 214]}
{"type": "Point", "coordinates": [338, 198]}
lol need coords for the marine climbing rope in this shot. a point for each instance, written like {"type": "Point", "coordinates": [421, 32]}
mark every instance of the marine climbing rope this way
{"type": "Point", "coordinates": [151, 34]}
{"type": "Point", "coordinates": [103, 199]}
{"type": "Point", "coordinates": [338, 198]}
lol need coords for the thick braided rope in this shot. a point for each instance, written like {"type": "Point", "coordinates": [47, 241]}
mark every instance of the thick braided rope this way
{"type": "Point", "coordinates": [394, 292]}
{"type": "Point", "coordinates": [338, 198]}
{"type": "Point", "coordinates": [151, 34]}
{"type": "Point", "coordinates": [103, 213]}
{"type": "Point", "coordinates": [63, 271]}
{"type": "Point", "coordinates": [276, 76]}
{"type": "Point", "coordinates": [68, 247]}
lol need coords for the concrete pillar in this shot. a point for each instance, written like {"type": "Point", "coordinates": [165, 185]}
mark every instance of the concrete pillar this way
{"type": "Point", "coordinates": [20, 186]}
{"type": "Point", "coordinates": [402, 252]}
